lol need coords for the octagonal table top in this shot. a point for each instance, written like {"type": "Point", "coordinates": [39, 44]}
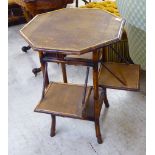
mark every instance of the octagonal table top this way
{"type": "Point", "coordinates": [72, 30]}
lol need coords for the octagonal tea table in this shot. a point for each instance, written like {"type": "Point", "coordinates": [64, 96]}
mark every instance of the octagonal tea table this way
{"type": "Point", "coordinates": [76, 37]}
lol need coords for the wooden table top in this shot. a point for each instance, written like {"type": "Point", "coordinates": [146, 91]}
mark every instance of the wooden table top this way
{"type": "Point", "coordinates": [72, 30]}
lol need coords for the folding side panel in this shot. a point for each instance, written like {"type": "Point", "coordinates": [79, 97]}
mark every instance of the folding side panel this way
{"type": "Point", "coordinates": [120, 76]}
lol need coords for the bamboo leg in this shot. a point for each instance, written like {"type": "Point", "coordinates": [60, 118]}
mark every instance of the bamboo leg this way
{"type": "Point", "coordinates": [43, 68]}
{"type": "Point", "coordinates": [96, 97]}
{"type": "Point", "coordinates": [105, 98]}
{"type": "Point", "coordinates": [53, 125]}
{"type": "Point", "coordinates": [98, 132]}
{"type": "Point", "coordinates": [64, 74]}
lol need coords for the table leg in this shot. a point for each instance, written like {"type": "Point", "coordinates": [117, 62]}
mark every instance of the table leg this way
{"type": "Point", "coordinates": [105, 98]}
{"type": "Point", "coordinates": [64, 74]}
{"type": "Point", "coordinates": [53, 125]}
{"type": "Point", "coordinates": [43, 68]}
{"type": "Point", "coordinates": [96, 97]}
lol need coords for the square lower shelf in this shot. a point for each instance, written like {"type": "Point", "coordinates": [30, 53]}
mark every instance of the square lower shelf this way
{"type": "Point", "coordinates": [66, 100]}
{"type": "Point", "coordinates": [129, 74]}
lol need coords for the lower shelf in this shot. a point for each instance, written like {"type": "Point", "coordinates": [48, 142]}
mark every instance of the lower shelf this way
{"type": "Point", "coordinates": [66, 100]}
{"type": "Point", "coordinates": [120, 76]}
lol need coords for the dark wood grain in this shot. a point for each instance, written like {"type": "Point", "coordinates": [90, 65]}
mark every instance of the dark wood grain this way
{"type": "Point", "coordinates": [34, 7]}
